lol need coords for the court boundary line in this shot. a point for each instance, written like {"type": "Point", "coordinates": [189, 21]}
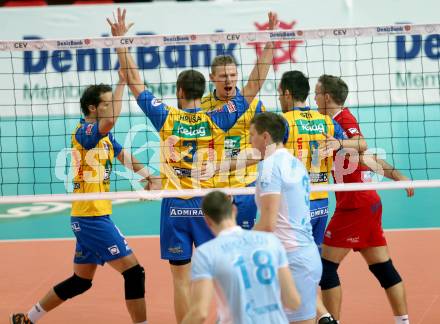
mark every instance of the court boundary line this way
{"type": "Point", "coordinates": [412, 229]}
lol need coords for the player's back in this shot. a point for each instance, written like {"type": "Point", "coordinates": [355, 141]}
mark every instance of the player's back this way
{"type": "Point", "coordinates": [282, 173]}
{"type": "Point", "coordinates": [306, 129]}
{"type": "Point", "coordinates": [244, 265]}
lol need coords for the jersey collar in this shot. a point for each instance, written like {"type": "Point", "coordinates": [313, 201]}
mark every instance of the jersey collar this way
{"type": "Point", "coordinates": [340, 111]}
{"type": "Point", "coordinates": [237, 94]}
{"type": "Point", "coordinates": [192, 110]}
{"type": "Point", "coordinates": [306, 108]}
{"type": "Point", "coordinates": [231, 230]}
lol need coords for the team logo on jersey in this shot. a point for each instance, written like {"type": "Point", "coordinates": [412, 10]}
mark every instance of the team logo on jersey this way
{"type": "Point", "coordinates": [311, 127]}
{"type": "Point", "coordinates": [232, 146]}
{"type": "Point", "coordinates": [89, 129]}
{"type": "Point", "coordinates": [156, 102]}
{"type": "Point", "coordinates": [191, 131]}
{"type": "Point", "coordinates": [353, 131]}
{"type": "Point", "coordinates": [231, 107]}
{"type": "Point", "coordinates": [284, 50]}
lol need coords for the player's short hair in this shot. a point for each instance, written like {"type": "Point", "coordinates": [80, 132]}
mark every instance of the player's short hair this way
{"type": "Point", "coordinates": [217, 206]}
{"type": "Point", "coordinates": [297, 84]}
{"type": "Point", "coordinates": [222, 60]}
{"type": "Point", "coordinates": [92, 96]}
{"type": "Point", "coordinates": [335, 87]}
{"type": "Point", "coordinates": [272, 123]}
{"type": "Point", "coordinates": [192, 83]}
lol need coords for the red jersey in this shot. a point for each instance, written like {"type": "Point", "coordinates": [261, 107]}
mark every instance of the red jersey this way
{"type": "Point", "coordinates": [360, 174]}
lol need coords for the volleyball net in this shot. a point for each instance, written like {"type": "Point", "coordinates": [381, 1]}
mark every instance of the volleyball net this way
{"type": "Point", "coordinates": [392, 73]}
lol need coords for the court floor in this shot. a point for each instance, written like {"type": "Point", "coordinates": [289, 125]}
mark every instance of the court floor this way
{"type": "Point", "coordinates": [37, 250]}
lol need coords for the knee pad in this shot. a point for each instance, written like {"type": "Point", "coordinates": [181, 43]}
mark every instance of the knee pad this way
{"type": "Point", "coordinates": [330, 278]}
{"type": "Point", "coordinates": [385, 273]}
{"type": "Point", "coordinates": [134, 282]}
{"type": "Point", "coordinates": [72, 287]}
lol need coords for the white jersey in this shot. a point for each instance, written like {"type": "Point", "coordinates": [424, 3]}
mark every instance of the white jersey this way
{"type": "Point", "coordinates": [244, 266]}
{"type": "Point", "coordinates": [282, 173]}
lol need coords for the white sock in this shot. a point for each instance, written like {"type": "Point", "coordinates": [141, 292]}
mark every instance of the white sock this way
{"type": "Point", "coordinates": [36, 312]}
{"type": "Point", "coordinates": [403, 319]}
{"type": "Point", "coordinates": [144, 322]}
{"type": "Point", "coordinates": [324, 316]}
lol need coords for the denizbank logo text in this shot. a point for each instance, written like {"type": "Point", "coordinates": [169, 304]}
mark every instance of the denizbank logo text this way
{"type": "Point", "coordinates": [410, 47]}
{"type": "Point", "coordinates": [150, 57]}
{"type": "Point", "coordinates": [191, 131]}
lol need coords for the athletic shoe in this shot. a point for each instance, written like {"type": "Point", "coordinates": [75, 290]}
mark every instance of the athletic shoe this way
{"type": "Point", "coordinates": [19, 318]}
{"type": "Point", "coordinates": [327, 320]}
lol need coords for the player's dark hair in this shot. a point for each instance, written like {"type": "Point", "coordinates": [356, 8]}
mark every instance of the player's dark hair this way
{"type": "Point", "coordinates": [192, 83]}
{"type": "Point", "coordinates": [222, 60]}
{"type": "Point", "coordinates": [92, 96]}
{"type": "Point", "coordinates": [335, 87]}
{"type": "Point", "coordinates": [272, 123]}
{"type": "Point", "coordinates": [297, 84]}
{"type": "Point", "coordinates": [217, 206]}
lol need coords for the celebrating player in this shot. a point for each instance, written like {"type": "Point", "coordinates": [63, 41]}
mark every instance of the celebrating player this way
{"type": "Point", "coordinates": [224, 76]}
{"type": "Point", "coordinates": [189, 137]}
{"type": "Point", "coordinates": [98, 240]}
{"type": "Point", "coordinates": [357, 221]}
{"type": "Point", "coordinates": [249, 267]}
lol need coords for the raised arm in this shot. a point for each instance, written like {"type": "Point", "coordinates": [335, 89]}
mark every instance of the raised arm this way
{"type": "Point", "coordinates": [128, 65]}
{"type": "Point", "coordinates": [107, 118]}
{"type": "Point", "coordinates": [261, 68]}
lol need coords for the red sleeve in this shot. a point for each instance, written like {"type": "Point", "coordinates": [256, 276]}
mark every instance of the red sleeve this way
{"type": "Point", "coordinates": [348, 123]}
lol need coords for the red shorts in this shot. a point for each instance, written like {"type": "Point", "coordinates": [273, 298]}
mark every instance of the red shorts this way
{"type": "Point", "coordinates": [356, 229]}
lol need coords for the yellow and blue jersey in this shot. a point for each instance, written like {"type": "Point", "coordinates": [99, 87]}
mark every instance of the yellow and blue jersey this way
{"type": "Point", "coordinates": [92, 156]}
{"type": "Point", "coordinates": [237, 137]}
{"type": "Point", "coordinates": [305, 131]}
{"type": "Point", "coordinates": [190, 137]}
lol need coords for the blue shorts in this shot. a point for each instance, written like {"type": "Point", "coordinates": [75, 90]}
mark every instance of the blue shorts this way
{"type": "Point", "coordinates": [98, 240]}
{"type": "Point", "coordinates": [318, 219]}
{"type": "Point", "coordinates": [246, 210]}
{"type": "Point", "coordinates": [182, 225]}
{"type": "Point", "coordinates": [306, 268]}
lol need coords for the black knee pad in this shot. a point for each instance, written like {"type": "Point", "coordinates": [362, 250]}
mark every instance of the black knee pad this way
{"type": "Point", "coordinates": [134, 282]}
{"type": "Point", "coordinates": [386, 274]}
{"type": "Point", "coordinates": [179, 262]}
{"type": "Point", "coordinates": [72, 287]}
{"type": "Point", "coordinates": [330, 278]}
